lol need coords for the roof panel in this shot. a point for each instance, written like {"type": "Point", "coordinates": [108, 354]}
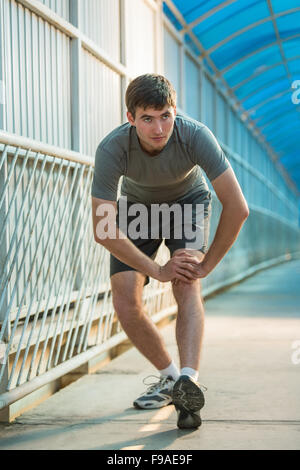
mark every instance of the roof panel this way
{"type": "Point", "coordinates": [294, 68]}
{"type": "Point", "coordinates": [283, 133]}
{"type": "Point", "coordinates": [192, 9]}
{"type": "Point", "coordinates": [262, 80]}
{"type": "Point", "coordinates": [274, 102]}
{"type": "Point", "coordinates": [252, 48]}
{"type": "Point", "coordinates": [274, 120]}
{"type": "Point", "coordinates": [288, 25]}
{"type": "Point", "coordinates": [279, 6]}
{"type": "Point", "coordinates": [244, 44]}
{"type": "Point", "coordinates": [233, 18]}
{"type": "Point", "coordinates": [256, 63]}
{"type": "Point", "coordinates": [288, 160]}
{"type": "Point", "coordinates": [265, 92]}
{"type": "Point", "coordinates": [286, 126]}
{"type": "Point", "coordinates": [291, 48]}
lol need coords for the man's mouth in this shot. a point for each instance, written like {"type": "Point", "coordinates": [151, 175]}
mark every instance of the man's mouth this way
{"type": "Point", "coordinates": [158, 138]}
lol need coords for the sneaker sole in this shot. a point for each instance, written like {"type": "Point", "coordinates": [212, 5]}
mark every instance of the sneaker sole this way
{"type": "Point", "coordinates": [188, 399]}
{"type": "Point", "coordinates": [153, 406]}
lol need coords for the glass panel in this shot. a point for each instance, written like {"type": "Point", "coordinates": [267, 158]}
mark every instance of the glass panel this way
{"type": "Point", "coordinates": [288, 25]}
{"type": "Point", "coordinates": [263, 79]}
{"type": "Point", "coordinates": [255, 64]}
{"type": "Point", "coordinates": [291, 48]}
{"type": "Point", "coordinates": [267, 92]}
{"type": "Point", "coordinates": [192, 9]}
{"type": "Point", "coordinates": [192, 88]}
{"type": "Point", "coordinates": [269, 107]}
{"type": "Point", "coordinates": [229, 20]}
{"type": "Point", "coordinates": [244, 44]}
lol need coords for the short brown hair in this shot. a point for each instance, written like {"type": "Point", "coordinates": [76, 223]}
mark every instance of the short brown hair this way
{"type": "Point", "coordinates": [149, 90]}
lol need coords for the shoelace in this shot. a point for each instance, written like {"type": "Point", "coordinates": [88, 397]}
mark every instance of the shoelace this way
{"type": "Point", "coordinates": [161, 382]}
{"type": "Point", "coordinates": [203, 388]}
{"type": "Point", "coordinates": [155, 385]}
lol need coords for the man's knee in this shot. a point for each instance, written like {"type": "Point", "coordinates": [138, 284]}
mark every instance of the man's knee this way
{"type": "Point", "coordinates": [127, 289]}
{"type": "Point", "coordinates": [180, 287]}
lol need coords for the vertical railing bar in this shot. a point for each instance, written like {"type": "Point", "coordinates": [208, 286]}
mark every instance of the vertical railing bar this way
{"type": "Point", "coordinates": [110, 322]}
{"type": "Point", "coordinates": [77, 321]}
{"type": "Point", "coordinates": [45, 313]}
{"type": "Point", "coordinates": [32, 267]}
{"type": "Point", "coordinates": [4, 155]}
{"type": "Point", "coordinates": [67, 256]}
{"type": "Point", "coordinates": [74, 321]}
{"type": "Point", "coordinates": [103, 304]}
{"type": "Point", "coordinates": [78, 300]}
{"type": "Point", "coordinates": [66, 265]}
{"type": "Point", "coordinates": [106, 324]}
{"type": "Point", "coordinates": [12, 238]}
{"type": "Point", "coordinates": [82, 295]}
{"type": "Point", "coordinates": [36, 315]}
{"type": "Point", "coordinates": [23, 257]}
{"type": "Point", "coordinates": [15, 195]}
{"type": "Point", "coordinates": [39, 274]}
{"type": "Point", "coordinates": [12, 167]}
{"type": "Point", "coordinates": [73, 269]}
{"type": "Point", "coordinates": [74, 262]}
{"type": "Point", "coordinates": [93, 297]}
{"type": "Point", "coordinates": [101, 318]}
{"type": "Point", "coordinates": [90, 311]}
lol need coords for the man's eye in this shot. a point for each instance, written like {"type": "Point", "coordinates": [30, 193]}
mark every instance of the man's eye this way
{"type": "Point", "coordinates": [147, 120]}
{"type": "Point", "coordinates": [165, 117]}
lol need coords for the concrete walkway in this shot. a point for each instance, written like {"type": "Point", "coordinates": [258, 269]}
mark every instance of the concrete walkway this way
{"type": "Point", "coordinates": [250, 365]}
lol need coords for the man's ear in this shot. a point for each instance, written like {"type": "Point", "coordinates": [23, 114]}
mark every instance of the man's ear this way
{"type": "Point", "coordinates": [175, 111]}
{"type": "Point", "coordinates": [130, 118]}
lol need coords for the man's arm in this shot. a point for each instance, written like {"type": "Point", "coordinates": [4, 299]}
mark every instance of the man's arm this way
{"type": "Point", "coordinates": [104, 216]}
{"type": "Point", "coordinates": [234, 213]}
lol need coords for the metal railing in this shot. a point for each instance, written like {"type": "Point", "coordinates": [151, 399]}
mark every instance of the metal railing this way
{"type": "Point", "coordinates": [56, 308]}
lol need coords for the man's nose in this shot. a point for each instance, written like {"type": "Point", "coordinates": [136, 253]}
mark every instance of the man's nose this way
{"type": "Point", "coordinates": [157, 127]}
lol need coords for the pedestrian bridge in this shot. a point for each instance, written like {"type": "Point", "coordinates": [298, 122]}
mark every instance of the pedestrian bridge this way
{"type": "Point", "coordinates": [62, 86]}
{"type": "Point", "coordinates": [250, 365]}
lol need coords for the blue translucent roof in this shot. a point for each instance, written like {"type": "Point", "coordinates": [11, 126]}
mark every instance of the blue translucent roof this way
{"type": "Point", "coordinates": [254, 47]}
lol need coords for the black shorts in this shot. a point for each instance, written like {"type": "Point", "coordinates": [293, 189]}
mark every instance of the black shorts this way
{"type": "Point", "coordinates": [167, 229]}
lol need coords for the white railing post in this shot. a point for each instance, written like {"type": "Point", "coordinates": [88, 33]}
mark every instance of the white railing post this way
{"type": "Point", "coordinates": [4, 338]}
{"type": "Point", "coordinates": [159, 38]}
{"type": "Point", "coordinates": [76, 112]}
{"type": "Point", "coordinates": [123, 57]}
{"type": "Point", "coordinates": [4, 335]}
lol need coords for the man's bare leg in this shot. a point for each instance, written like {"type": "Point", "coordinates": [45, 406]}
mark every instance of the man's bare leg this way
{"type": "Point", "coordinates": [127, 290]}
{"type": "Point", "coordinates": [190, 319]}
{"type": "Point", "coordinates": [187, 395]}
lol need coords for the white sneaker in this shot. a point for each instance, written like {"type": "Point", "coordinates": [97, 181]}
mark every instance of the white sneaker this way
{"type": "Point", "coordinates": [157, 395]}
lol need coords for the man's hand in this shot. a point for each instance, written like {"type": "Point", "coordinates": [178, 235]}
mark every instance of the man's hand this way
{"type": "Point", "coordinates": [202, 271]}
{"type": "Point", "coordinates": [183, 266]}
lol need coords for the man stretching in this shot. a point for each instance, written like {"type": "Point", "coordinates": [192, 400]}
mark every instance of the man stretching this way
{"type": "Point", "coordinates": [161, 156]}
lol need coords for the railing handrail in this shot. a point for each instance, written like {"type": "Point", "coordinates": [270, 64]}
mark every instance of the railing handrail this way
{"type": "Point", "coordinates": [26, 143]}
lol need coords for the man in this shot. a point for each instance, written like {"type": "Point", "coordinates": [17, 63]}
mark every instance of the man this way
{"type": "Point", "coordinates": [161, 155]}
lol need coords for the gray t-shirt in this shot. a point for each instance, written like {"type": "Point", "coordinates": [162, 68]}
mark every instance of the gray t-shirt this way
{"type": "Point", "coordinates": [166, 177]}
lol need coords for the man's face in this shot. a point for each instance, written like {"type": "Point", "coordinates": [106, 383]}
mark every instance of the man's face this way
{"type": "Point", "coordinates": [153, 126]}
